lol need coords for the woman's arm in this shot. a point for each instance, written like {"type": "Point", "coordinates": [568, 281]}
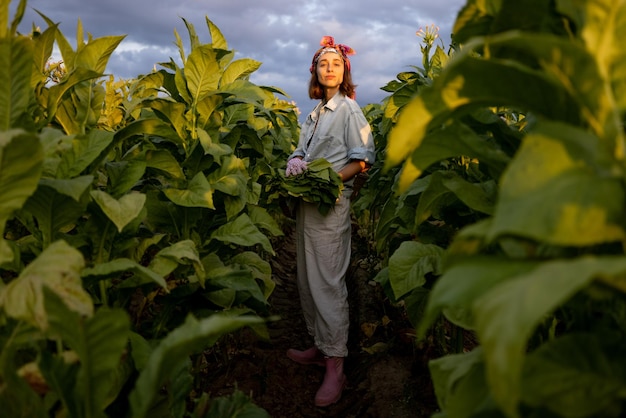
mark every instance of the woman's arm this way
{"type": "Point", "coordinates": [353, 168]}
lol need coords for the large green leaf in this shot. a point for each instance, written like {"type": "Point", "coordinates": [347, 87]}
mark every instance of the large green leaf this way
{"type": "Point", "coordinates": [85, 150]}
{"type": "Point", "coordinates": [234, 205]}
{"type": "Point", "coordinates": [237, 69]}
{"type": "Point", "coordinates": [577, 375]}
{"type": "Point", "coordinates": [566, 63]}
{"type": "Point", "coordinates": [95, 54]}
{"type": "Point", "coordinates": [456, 140]}
{"type": "Point", "coordinates": [57, 268]}
{"type": "Point", "coordinates": [120, 211]}
{"type": "Point", "coordinates": [57, 98]}
{"type": "Point", "coordinates": [16, 65]}
{"type": "Point", "coordinates": [86, 106]}
{"type": "Point", "coordinates": [99, 342]}
{"type": "Point", "coordinates": [460, 384]}
{"type": "Point", "coordinates": [207, 113]}
{"type": "Point", "coordinates": [603, 24]}
{"type": "Point", "coordinates": [231, 177]}
{"type": "Point", "coordinates": [152, 85]}
{"type": "Point", "coordinates": [236, 405]}
{"type": "Point", "coordinates": [202, 73]}
{"type": "Point", "coordinates": [388, 223]}
{"type": "Point", "coordinates": [43, 46]}
{"type": "Point", "coordinates": [140, 350]}
{"type": "Point", "coordinates": [73, 188]}
{"type": "Point", "coordinates": [180, 253]}
{"type": "Point", "coordinates": [403, 92]}
{"type": "Point", "coordinates": [124, 175]}
{"type": "Point", "coordinates": [173, 112]}
{"type": "Point", "coordinates": [116, 269]}
{"type": "Point", "coordinates": [242, 231]}
{"type": "Point", "coordinates": [509, 312]}
{"type": "Point", "coordinates": [475, 18]}
{"type": "Point", "coordinates": [236, 113]}
{"type": "Point", "coordinates": [409, 265]}
{"type": "Point", "coordinates": [60, 371]}
{"type": "Point", "coordinates": [262, 219]}
{"type": "Point", "coordinates": [478, 82]}
{"type": "Point", "coordinates": [559, 189]}
{"type": "Point", "coordinates": [148, 127]}
{"type": "Point", "coordinates": [164, 216]}
{"type": "Point", "coordinates": [479, 197]}
{"type": "Point", "coordinates": [194, 40]}
{"type": "Point", "coordinates": [67, 52]}
{"type": "Point", "coordinates": [217, 38]}
{"type": "Point", "coordinates": [225, 298]}
{"type": "Point", "coordinates": [199, 193]}
{"type": "Point", "coordinates": [189, 338]}
{"type": "Point", "coordinates": [19, 14]}
{"type": "Point", "coordinates": [470, 81]}
{"type": "Point", "coordinates": [180, 82]}
{"type": "Point", "coordinates": [18, 399]}
{"type": "Point", "coordinates": [248, 92]}
{"type": "Point", "coordinates": [144, 244]}
{"type": "Point", "coordinates": [233, 279]}
{"type": "Point", "coordinates": [213, 148]}
{"type": "Point", "coordinates": [58, 203]}
{"type": "Point", "coordinates": [4, 19]}
{"type": "Point", "coordinates": [464, 282]}
{"type": "Point", "coordinates": [487, 17]}
{"type": "Point", "coordinates": [164, 161]}
{"type": "Point", "coordinates": [260, 269]}
{"type": "Point", "coordinates": [54, 142]}
{"type": "Point", "coordinates": [21, 159]}
{"type": "Point", "coordinates": [446, 187]}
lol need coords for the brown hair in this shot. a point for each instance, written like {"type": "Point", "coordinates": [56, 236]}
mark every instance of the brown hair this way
{"type": "Point", "coordinates": [347, 87]}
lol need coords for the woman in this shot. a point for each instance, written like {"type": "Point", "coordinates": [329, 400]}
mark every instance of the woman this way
{"type": "Point", "coordinates": [336, 130]}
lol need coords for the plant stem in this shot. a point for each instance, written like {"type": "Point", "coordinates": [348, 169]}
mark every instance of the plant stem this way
{"type": "Point", "coordinates": [99, 259]}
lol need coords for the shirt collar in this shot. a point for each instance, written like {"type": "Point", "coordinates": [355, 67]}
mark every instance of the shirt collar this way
{"type": "Point", "coordinates": [334, 101]}
{"type": "Point", "coordinates": [330, 105]}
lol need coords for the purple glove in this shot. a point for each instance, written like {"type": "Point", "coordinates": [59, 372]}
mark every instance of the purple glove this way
{"type": "Point", "coordinates": [295, 166]}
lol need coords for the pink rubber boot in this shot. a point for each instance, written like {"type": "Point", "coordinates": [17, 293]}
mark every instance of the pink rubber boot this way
{"type": "Point", "coordinates": [333, 384]}
{"type": "Point", "coordinates": [308, 356]}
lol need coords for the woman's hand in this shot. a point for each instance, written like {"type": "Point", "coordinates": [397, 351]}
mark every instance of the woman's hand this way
{"type": "Point", "coordinates": [295, 166]}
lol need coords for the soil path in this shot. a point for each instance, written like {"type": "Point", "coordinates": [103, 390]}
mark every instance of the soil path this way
{"type": "Point", "coordinates": [392, 382]}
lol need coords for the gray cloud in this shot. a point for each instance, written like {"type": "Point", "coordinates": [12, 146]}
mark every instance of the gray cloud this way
{"type": "Point", "coordinates": [282, 34]}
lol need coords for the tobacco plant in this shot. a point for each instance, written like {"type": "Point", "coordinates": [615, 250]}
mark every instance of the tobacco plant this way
{"type": "Point", "coordinates": [538, 276]}
{"type": "Point", "coordinates": [132, 235]}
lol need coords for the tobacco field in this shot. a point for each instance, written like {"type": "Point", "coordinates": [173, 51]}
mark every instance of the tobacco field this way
{"type": "Point", "coordinates": [148, 264]}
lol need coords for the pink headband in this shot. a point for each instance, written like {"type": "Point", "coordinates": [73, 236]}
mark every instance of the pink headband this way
{"type": "Point", "coordinates": [328, 45]}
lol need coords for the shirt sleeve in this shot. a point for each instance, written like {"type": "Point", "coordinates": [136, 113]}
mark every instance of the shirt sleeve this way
{"type": "Point", "coordinates": [299, 151]}
{"type": "Point", "coordinates": [359, 137]}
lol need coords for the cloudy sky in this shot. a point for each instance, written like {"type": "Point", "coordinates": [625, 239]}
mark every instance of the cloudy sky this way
{"type": "Point", "coordinates": [282, 34]}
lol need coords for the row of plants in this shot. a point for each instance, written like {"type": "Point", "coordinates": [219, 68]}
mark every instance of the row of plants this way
{"type": "Point", "coordinates": [135, 228]}
{"type": "Point", "coordinates": [498, 207]}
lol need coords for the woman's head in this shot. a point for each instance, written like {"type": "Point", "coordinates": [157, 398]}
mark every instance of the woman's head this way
{"type": "Point", "coordinates": [330, 68]}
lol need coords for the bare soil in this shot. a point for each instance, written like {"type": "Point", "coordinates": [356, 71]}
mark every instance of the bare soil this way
{"type": "Point", "coordinates": [387, 372]}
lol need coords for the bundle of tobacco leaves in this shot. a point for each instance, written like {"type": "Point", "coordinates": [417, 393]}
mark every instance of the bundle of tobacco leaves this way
{"type": "Point", "coordinates": [318, 184]}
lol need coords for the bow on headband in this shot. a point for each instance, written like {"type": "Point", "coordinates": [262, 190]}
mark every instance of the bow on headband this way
{"type": "Point", "coordinates": [328, 45]}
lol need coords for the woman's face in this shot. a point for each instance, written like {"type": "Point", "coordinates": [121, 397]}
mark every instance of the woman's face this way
{"type": "Point", "coordinates": [330, 70]}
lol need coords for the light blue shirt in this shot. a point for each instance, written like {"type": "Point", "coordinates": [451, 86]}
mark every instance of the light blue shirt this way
{"type": "Point", "coordinates": [338, 132]}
